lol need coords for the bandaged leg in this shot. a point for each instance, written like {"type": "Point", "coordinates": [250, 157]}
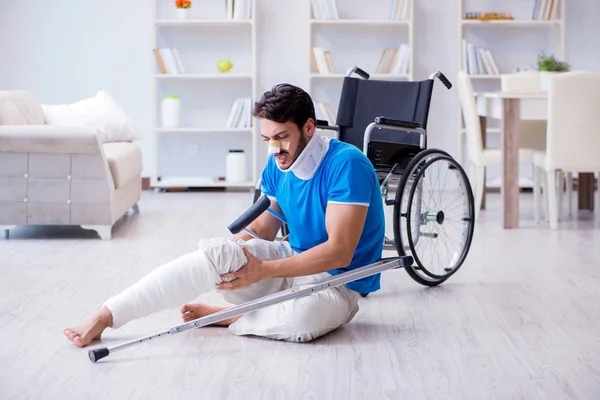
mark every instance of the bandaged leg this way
{"type": "Point", "coordinates": [185, 278]}
{"type": "Point", "coordinates": [303, 319]}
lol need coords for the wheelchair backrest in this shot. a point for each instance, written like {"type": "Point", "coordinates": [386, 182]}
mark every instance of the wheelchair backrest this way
{"type": "Point", "coordinates": [362, 100]}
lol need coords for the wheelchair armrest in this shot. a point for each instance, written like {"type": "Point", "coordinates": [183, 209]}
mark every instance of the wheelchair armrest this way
{"type": "Point", "coordinates": [393, 124]}
{"type": "Point", "coordinates": [396, 122]}
{"type": "Point", "coordinates": [324, 124]}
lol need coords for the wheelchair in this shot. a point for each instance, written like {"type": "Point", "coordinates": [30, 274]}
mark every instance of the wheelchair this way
{"type": "Point", "coordinates": [431, 196]}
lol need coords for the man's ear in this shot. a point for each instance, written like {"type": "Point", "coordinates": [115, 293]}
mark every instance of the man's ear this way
{"type": "Point", "coordinates": [309, 127]}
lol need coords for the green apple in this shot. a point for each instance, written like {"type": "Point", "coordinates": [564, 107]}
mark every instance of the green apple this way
{"type": "Point", "coordinates": [224, 65]}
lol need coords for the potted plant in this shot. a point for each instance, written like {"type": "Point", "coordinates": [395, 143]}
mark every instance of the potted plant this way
{"type": "Point", "coordinates": [548, 65]}
{"type": "Point", "coordinates": [183, 8]}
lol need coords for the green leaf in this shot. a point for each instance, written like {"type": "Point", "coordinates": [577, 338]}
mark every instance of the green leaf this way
{"type": "Point", "coordinates": [550, 63]}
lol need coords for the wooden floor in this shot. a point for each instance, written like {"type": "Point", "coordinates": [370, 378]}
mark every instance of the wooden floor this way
{"type": "Point", "coordinates": [520, 320]}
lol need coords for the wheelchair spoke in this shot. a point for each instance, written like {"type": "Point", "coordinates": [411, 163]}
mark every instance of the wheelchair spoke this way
{"type": "Point", "coordinates": [447, 239]}
{"type": "Point", "coordinates": [441, 192]}
{"type": "Point", "coordinates": [459, 196]}
{"type": "Point", "coordinates": [446, 246]}
{"type": "Point", "coordinates": [431, 193]}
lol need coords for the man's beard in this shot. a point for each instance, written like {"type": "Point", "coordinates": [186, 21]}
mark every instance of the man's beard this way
{"type": "Point", "coordinates": [301, 146]}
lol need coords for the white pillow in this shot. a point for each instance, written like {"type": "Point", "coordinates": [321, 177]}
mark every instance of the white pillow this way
{"type": "Point", "coordinates": [100, 112]}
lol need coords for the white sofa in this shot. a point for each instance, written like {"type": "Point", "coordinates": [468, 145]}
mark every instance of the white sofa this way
{"type": "Point", "coordinates": [61, 175]}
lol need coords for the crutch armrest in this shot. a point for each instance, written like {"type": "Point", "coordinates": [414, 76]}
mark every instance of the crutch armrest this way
{"type": "Point", "coordinates": [396, 122]}
{"type": "Point", "coordinates": [249, 215]}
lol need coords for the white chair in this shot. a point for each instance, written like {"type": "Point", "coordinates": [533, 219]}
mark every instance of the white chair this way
{"type": "Point", "coordinates": [573, 138]}
{"type": "Point", "coordinates": [532, 133]}
{"type": "Point", "coordinates": [521, 82]}
{"type": "Point", "coordinates": [479, 156]}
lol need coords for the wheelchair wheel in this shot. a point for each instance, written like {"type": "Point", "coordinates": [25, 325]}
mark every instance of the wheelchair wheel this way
{"type": "Point", "coordinates": [401, 198]}
{"type": "Point", "coordinates": [434, 216]}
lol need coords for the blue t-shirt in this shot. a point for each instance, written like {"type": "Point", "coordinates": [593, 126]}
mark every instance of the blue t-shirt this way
{"type": "Point", "coordinates": [344, 175]}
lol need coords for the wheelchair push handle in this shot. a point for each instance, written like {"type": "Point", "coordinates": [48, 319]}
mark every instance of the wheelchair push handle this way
{"type": "Point", "coordinates": [442, 78]}
{"type": "Point", "coordinates": [250, 215]}
{"type": "Point", "coordinates": [360, 72]}
{"type": "Point", "coordinates": [445, 80]}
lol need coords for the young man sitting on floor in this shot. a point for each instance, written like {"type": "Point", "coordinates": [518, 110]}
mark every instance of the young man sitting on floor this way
{"type": "Point", "coordinates": [327, 191]}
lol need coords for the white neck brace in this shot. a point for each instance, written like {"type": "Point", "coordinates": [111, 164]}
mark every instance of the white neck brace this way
{"type": "Point", "coordinates": [309, 160]}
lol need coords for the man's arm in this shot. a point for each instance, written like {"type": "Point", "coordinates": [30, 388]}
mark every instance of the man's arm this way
{"type": "Point", "coordinates": [265, 226]}
{"type": "Point", "coordinates": [345, 218]}
{"type": "Point", "coordinates": [344, 224]}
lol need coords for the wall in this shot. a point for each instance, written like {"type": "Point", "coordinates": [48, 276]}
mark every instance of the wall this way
{"type": "Point", "coordinates": [66, 50]}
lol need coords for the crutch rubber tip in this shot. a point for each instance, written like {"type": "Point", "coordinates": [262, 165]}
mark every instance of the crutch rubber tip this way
{"type": "Point", "coordinates": [97, 354]}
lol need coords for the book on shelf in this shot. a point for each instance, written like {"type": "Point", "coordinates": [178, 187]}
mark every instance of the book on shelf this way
{"type": "Point", "coordinates": [240, 115]}
{"type": "Point", "coordinates": [324, 9]}
{"type": "Point", "coordinates": [323, 112]}
{"type": "Point", "coordinates": [322, 61]}
{"type": "Point", "coordinates": [169, 61]}
{"type": "Point", "coordinates": [238, 9]}
{"type": "Point", "coordinates": [478, 60]}
{"type": "Point", "coordinates": [545, 10]}
{"type": "Point", "coordinates": [394, 61]}
{"type": "Point", "coordinates": [399, 11]}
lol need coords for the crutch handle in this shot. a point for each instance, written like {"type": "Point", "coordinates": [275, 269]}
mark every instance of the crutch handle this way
{"type": "Point", "coordinates": [260, 206]}
{"type": "Point", "coordinates": [97, 354]}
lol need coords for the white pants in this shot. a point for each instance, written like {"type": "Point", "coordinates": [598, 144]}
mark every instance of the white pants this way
{"type": "Point", "coordinates": [183, 279]}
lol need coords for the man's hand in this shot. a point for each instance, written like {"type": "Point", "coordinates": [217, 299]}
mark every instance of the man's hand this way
{"type": "Point", "coordinates": [252, 272]}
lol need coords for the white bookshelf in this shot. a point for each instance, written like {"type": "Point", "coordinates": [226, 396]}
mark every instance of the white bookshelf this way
{"type": "Point", "coordinates": [511, 23]}
{"type": "Point", "coordinates": [225, 76]}
{"type": "Point", "coordinates": [353, 34]}
{"type": "Point", "coordinates": [204, 22]}
{"type": "Point", "coordinates": [194, 154]}
{"type": "Point", "coordinates": [513, 44]}
{"type": "Point", "coordinates": [358, 22]}
{"type": "Point", "coordinates": [371, 76]}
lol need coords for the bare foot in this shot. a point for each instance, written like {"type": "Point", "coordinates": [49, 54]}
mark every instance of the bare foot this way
{"type": "Point", "coordinates": [91, 329]}
{"type": "Point", "coordinates": [190, 312]}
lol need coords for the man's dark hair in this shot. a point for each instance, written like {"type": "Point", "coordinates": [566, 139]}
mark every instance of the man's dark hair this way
{"type": "Point", "coordinates": [285, 102]}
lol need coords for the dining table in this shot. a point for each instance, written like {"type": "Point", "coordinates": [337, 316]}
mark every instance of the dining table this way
{"type": "Point", "coordinates": [510, 108]}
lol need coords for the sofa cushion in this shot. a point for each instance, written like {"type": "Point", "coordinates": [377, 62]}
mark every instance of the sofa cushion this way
{"type": "Point", "coordinates": [100, 112]}
{"type": "Point", "coordinates": [20, 107]}
{"type": "Point", "coordinates": [124, 162]}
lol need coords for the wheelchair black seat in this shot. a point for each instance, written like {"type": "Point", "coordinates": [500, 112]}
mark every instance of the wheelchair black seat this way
{"type": "Point", "coordinates": [400, 110]}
